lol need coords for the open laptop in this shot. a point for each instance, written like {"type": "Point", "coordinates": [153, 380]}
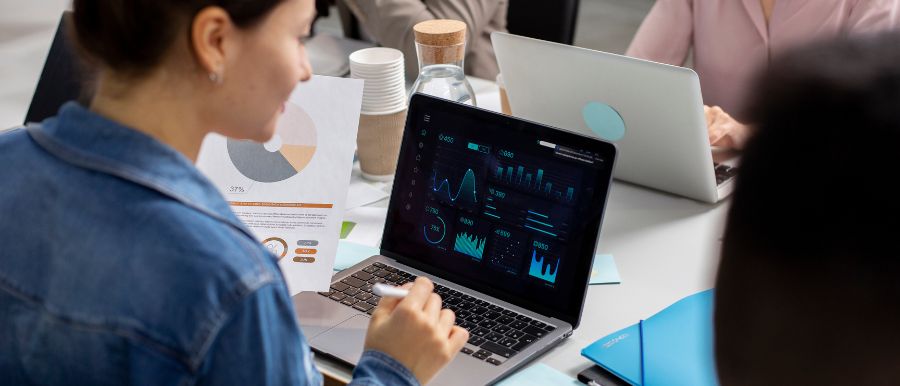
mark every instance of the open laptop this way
{"type": "Point", "coordinates": [502, 214]}
{"type": "Point", "coordinates": [665, 143]}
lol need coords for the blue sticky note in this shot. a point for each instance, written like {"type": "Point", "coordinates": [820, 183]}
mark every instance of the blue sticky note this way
{"type": "Point", "coordinates": [619, 353]}
{"type": "Point", "coordinates": [604, 270]}
{"type": "Point", "coordinates": [539, 375]}
{"type": "Point", "coordinates": [678, 344]}
{"type": "Point", "coordinates": [350, 253]}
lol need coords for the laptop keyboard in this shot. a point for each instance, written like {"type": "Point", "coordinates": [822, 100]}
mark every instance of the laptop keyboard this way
{"type": "Point", "coordinates": [495, 333]}
{"type": "Point", "coordinates": [724, 173]}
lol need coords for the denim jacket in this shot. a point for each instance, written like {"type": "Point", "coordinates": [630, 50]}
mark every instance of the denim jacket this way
{"type": "Point", "coordinates": [120, 263]}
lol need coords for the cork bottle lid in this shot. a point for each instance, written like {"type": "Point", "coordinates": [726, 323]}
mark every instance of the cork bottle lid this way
{"type": "Point", "coordinates": [441, 33]}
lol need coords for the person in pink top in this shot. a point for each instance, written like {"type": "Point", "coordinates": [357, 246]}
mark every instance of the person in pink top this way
{"type": "Point", "coordinates": [732, 39]}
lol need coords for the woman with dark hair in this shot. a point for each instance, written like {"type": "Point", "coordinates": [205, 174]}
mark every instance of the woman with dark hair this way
{"type": "Point", "coordinates": [121, 264]}
{"type": "Point", "coordinates": [808, 290]}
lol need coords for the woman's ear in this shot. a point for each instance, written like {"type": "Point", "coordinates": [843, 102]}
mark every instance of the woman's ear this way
{"type": "Point", "coordinates": [210, 30]}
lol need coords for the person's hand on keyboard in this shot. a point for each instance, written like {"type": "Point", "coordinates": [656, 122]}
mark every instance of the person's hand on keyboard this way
{"type": "Point", "coordinates": [724, 131]}
{"type": "Point", "coordinates": [415, 330]}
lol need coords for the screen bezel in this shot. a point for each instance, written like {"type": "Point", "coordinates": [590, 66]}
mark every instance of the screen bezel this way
{"type": "Point", "coordinates": [516, 126]}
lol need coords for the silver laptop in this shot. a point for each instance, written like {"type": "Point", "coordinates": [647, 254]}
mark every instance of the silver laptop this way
{"type": "Point", "coordinates": [502, 214]}
{"type": "Point", "coordinates": [664, 145]}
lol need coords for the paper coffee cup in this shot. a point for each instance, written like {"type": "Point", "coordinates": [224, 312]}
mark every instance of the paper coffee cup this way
{"type": "Point", "coordinates": [378, 144]}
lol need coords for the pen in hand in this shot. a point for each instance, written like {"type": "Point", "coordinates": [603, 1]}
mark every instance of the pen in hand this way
{"type": "Point", "coordinates": [385, 290]}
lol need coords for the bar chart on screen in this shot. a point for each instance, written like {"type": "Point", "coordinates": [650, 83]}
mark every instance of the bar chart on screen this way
{"type": "Point", "coordinates": [541, 179]}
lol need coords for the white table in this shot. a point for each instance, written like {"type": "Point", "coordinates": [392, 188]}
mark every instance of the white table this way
{"type": "Point", "coordinates": [665, 247]}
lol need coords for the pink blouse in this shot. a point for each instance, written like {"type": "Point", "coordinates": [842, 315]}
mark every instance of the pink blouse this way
{"type": "Point", "coordinates": [731, 40]}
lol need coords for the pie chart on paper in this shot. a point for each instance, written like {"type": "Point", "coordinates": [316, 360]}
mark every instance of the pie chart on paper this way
{"type": "Point", "coordinates": [288, 152]}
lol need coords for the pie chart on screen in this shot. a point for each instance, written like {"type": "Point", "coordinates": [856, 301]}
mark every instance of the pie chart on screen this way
{"type": "Point", "coordinates": [288, 152]}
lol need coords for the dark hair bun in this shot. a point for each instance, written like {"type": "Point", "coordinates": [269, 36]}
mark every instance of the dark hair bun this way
{"type": "Point", "coordinates": [132, 36]}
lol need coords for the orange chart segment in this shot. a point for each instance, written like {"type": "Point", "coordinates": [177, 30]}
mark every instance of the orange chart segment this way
{"type": "Point", "coordinates": [298, 156]}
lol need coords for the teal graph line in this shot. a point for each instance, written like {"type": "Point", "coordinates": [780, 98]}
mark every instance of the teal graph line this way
{"type": "Point", "coordinates": [541, 268]}
{"type": "Point", "coordinates": [538, 214]}
{"type": "Point", "coordinates": [469, 245]}
{"type": "Point", "coordinates": [540, 230]}
{"type": "Point", "coordinates": [468, 183]}
{"type": "Point", "coordinates": [542, 223]}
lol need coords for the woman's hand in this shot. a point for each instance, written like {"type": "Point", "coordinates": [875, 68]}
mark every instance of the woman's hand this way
{"type": "Point", "coordinates": [416, 331]}
{"type": "Point", "coordinates": [724, 131]}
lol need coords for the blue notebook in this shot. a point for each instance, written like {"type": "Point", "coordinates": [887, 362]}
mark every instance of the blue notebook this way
{"type": "Point", "coordinates": [619, 353]}
{"type": "Point", "coordinates": [677, 344]}
{"type": "Point", "coordinates": [673, 347]}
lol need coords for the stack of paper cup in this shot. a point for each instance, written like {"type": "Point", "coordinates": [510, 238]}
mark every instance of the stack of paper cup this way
{"type": "Point", "coordinates": [383, 71]}
{"type": "Point", "coordinates": [383, 115]}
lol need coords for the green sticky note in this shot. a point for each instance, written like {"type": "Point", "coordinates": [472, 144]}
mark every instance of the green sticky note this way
{"type": "Point", "coordinates": [346, 228]}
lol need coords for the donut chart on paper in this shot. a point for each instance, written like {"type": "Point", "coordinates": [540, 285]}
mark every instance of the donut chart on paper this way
{"type": "Point", "coordinates": [288, 152]}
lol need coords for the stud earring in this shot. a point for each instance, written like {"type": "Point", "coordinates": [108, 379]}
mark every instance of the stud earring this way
{"type": "Point", "coordinates": [215, 77]}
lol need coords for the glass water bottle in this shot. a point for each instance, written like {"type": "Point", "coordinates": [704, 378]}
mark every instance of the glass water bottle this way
{"type": "Point", "coordinates": [441, 49]}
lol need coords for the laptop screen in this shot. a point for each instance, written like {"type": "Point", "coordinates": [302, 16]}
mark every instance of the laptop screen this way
{"type": "Point", "coordinates": [504, 206]}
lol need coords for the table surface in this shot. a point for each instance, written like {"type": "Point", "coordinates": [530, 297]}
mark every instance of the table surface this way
{"type": "Point", "coordinates": [666, 247]}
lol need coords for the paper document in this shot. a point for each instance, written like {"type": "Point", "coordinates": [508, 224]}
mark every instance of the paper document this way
{"type": "Point", "coordinates": [363, 193]}
{"type": "Point", "coordinates": [291, 191]}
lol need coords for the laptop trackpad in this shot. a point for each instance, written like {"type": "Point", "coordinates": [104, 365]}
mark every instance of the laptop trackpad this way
{"type": "Point", "coordinates": [345, 341]}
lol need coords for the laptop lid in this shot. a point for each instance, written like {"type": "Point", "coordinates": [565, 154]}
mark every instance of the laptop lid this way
{"type": "Point", "coordinates": [60, 79]}
{"type": "Point", "coordinates": [498, 204]}
{"type": "Point", "coordinates": [665, 144]}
